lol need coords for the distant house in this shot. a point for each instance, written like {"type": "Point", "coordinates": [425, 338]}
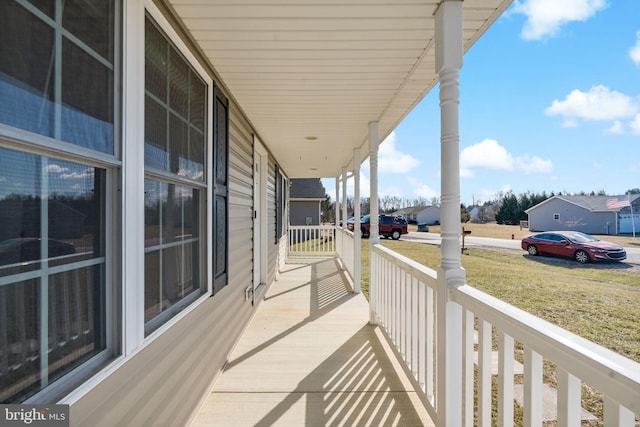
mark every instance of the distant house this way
{"type": "Point", "coordinates": [429, 215]}
{"type": "Point", "coordinates": [589, 214]}
{"type": "Point", "coordinates": [305, 197]}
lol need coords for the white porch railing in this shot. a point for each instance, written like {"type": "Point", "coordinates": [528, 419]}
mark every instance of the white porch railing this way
{"type": "Point", "coordinates": [405, 304]}
{"type": "Point", "coordinates": [311, 240]}
{"type": "Point", "coordinates": [344, 239]}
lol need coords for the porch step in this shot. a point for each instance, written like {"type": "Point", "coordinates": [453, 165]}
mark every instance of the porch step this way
{"type": "Point", "coordinates": [518, 368]}
{"type": "Point", "coordinates": [549, 394]}
{"type": "Point", "coordinates": [549, 403]}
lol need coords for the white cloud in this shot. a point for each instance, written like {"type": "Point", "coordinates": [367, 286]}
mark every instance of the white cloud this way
{"type": "Point", "coordinates": [421, 189]}
{"type": "Point", "coordinates": [53, 168]}
{"type": "Point", "coordinates": [391, 160]}
{"type": "Point", "coordinates": [545, 17]}
{"type": "Point", "coordinates": [634, 52]}
{"type": "Point", "coordinates": [533, 164]}
{"type": "Point", "coordinates": [635, 125]}
{"type": "Point", "coordinates": [617, 128]}
{"type": "Point", "coordinates": [365, 186]}
{"type": "Point", "coordinates": [599, 103]}
{"type": "Point", "coordinates": [488, 154]}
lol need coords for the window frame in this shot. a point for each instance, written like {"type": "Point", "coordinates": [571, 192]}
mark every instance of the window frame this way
{"type": "Point", "coordinates": [57, 149]}
{"type": "Point", "coordinates": [154, 327]}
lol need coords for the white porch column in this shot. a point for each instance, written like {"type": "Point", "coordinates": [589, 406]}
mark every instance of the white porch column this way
{"type": "Point", "coordinates": [344, 197]}
{"type": "Point", "coordinates": [357, 235]}
{"type": "Point", "coordinates": [374, 237]}
{"type": "Point", "coordinates": [449, 50]}
{"type": "Point", "coordinates": [337, 202]}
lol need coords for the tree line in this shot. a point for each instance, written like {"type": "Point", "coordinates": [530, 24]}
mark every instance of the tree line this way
{"type": "Point", "coordinates": [506, 208]}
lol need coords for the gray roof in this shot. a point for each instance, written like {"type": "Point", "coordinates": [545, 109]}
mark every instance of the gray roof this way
{"type": "Point", "coordinates": [591, 203]}
{"type": "Point", "coordinates": [307, 188]}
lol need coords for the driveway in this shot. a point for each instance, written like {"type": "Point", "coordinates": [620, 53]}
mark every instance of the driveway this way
{"type": "Point", "coordinates": [633, 254]}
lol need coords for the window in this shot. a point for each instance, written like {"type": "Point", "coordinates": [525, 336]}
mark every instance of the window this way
{"type": "Point", "coordinates": [556, 217]}
{"type": "Point", "coordinates": [57, 70]}
{"type": "Point", "coordinates": [56, 87]}
{"type": "Point", "coordinates": [175, 184]}
{"type": "Point", "coordinates": [52, 270]}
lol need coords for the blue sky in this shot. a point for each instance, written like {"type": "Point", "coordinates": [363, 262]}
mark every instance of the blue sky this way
{"type": "Point", "coordinates": [549, 101]}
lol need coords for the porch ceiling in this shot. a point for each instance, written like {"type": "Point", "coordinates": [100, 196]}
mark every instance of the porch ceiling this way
{"type": "Point", "coordinates": [324, 68]}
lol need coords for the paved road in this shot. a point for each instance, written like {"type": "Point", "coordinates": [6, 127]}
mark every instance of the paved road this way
{"type": "Point", "coordinates": [633, 254]}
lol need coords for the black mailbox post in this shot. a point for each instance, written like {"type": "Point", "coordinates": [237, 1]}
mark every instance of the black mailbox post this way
{"type": "Point", "coordinates": [464, 233]}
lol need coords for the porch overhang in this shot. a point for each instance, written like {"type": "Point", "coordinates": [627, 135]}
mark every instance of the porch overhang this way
{"type": "Point", "coordinates": [310, 76]}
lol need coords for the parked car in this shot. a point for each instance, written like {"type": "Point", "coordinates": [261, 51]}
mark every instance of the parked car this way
{"type": "Point", "coordinates": [349, 220]}
{"type": "Point", "coordinates": [573, 244]}
{"type": "Point", "coordinates": [388, 226]}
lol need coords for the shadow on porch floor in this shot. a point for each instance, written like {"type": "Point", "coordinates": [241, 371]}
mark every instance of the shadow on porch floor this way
{"type": "Point", "coordinates": [309, 357]}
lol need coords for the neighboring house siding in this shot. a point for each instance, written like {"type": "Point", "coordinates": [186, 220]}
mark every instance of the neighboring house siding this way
{"type": "Point", "coordinates": [429, 216]}
{"type": "Point", "coordinates": [301, 210]}
{"type": "Point", "coordinates": [558, 214]}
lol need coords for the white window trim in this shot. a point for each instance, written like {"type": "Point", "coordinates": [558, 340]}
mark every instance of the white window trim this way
{"type": "Point", "coordinates": [133, 174]}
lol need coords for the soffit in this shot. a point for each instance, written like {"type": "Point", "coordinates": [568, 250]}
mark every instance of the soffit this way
{"type": "Point", "coordinates": [324, 68]}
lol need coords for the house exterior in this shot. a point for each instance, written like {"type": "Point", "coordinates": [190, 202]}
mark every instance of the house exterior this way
{"type": "Point", "coordinates": [173, 129]}
{"type": "Point", "coordinates": [429, 215]}
{"type": "Point", "coordinates": [305, 198]}
{"type": "Point", "coordinates": [589, 214]}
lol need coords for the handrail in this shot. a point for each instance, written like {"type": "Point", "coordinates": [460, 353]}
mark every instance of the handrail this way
{"type": "Point", "coordinates": [404, 297]}
{"type": "Point", "coordinates": [613, 374]}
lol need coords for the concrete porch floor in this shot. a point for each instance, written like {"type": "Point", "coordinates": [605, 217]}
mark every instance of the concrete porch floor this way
{"type": "Point", "coordinates": [310, 358]}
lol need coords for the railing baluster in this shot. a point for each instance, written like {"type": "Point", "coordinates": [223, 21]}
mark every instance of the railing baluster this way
{"type": "Point", "coordinates": [467, 367]}
{"type": "Point", "coordinates": [415, 304]}
{"type": "Point", "coordinates": [505, 380]}
{"type": "Point", "coordinates": [431, 339]}
{"type": "Point", "coordinates": [422, 337]}
{"type": "Point", "coordinates": [484, 373]}
{"type": "Point", "coordinates": [616, 415]}
{"type": "Point", "coordinates": [532, 388]}
{"type": "Point", "coordinates": [402, 342]}
{"type": "Point", "coordinates": [569, 395]}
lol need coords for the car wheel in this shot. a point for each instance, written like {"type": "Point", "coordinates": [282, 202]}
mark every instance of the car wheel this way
{"type": "Point", "coordinates": [532, 250]}
{"type": "Point", "coordinates": [582, 257]}
{"type": "Point", "coordinates": [395, 234]}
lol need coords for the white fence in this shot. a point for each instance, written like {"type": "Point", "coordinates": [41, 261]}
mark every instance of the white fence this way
{"type": "Point", "coordinates": [311, 240]}
{"type": "Point", "coordinates": [345, 249]}
{"type": "Point", "coordinates": [404, 297]}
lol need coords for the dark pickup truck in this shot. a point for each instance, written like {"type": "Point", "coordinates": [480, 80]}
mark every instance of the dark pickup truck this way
{"type": "Point", "coordinates": [388, 226]}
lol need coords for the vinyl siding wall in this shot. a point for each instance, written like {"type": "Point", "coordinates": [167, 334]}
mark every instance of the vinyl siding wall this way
{"type": "Point", "coordinates": [571, 217]}
{"type": "Point", "coordinates": [300, 210]}
{"type": "Point", "coordinates": [165, 380]}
